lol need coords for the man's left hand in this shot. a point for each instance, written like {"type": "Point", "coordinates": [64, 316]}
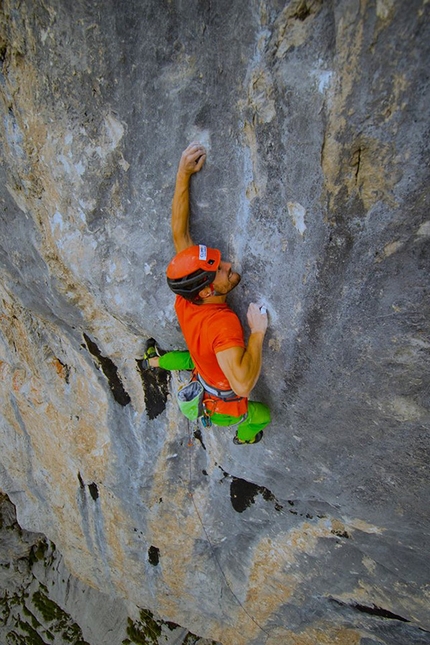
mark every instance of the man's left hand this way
{"type": "Point", "coordinates": [257, 320]}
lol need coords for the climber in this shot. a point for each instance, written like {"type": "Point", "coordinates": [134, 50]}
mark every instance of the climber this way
{"type": "Point", "coordinates": [227, 368]}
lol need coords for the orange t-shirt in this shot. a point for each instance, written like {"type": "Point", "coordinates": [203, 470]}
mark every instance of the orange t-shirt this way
{"type": "Point", "coordinates": [209, 329]}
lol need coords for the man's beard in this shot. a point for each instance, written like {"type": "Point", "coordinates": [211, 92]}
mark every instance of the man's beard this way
{"type": "Point", "coordinates": [236, 279]}
{"type": "Point", "coordinates": [233, 280]}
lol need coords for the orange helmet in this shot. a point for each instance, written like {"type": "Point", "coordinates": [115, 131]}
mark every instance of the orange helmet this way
{"type": "Point", "coordinates": [192, 270]}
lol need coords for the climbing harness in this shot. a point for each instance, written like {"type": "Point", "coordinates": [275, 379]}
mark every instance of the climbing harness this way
{"type": "Point", "coordinates": [194, 405]}
{"type": "Point", "coordinates": [225, 395]}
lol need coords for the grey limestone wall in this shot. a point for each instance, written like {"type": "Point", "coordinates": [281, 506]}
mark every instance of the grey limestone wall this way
{"type": "Point", "coordinates": [315, 116]}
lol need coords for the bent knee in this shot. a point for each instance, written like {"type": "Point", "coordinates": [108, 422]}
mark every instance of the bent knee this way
{"type": "Point", "coordinates": [259, 413]}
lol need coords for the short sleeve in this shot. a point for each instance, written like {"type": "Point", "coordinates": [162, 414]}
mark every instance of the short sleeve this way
{"type": "Point", "coordinates": [226, 331]}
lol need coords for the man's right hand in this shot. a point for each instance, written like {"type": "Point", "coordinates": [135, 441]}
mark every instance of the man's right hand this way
{"type": "Point", "coordinates": [192, 159]}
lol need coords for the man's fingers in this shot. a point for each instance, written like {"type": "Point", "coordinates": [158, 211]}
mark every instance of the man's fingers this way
{"type": "Point", "coordinates": [195, 149]}
{"type": "Point", "coordinates": [200, 161]}
{"type": "Point", "coordinates": [198, 154]}
{"type": "Point", "coordinates": [195, 144]}
{"type": "Point", "coordinates": [258, 309]}
{"type": "Point", "coordinates": [193, 158]}
{"type": "Point", "coordinates": [257, 320]}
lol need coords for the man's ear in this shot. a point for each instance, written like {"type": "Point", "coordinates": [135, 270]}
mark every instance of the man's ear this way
{"type": "Point", "coordinates": [205, 293]}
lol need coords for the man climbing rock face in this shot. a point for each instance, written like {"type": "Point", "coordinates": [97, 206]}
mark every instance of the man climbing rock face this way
{"type": "Point", "coordinates": [227, 367]}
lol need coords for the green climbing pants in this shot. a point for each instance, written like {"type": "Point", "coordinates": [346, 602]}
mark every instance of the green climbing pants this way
{"type": "Point", "coordinates": [258, 416]}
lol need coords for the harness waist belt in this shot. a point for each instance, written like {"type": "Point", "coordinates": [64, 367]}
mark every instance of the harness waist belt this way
{"type": "Point", "coordinates": [221, 394]}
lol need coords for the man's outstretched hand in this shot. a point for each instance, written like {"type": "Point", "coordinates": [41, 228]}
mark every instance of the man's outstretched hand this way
{"type": "Point", "coordinates": [192, 159]}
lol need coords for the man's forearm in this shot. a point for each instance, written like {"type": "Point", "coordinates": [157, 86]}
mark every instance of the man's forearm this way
{"type": "Point", "coordinates": [252, 359]}
{"type": "Point", "coordinates": [181, 213]}
{"type": "Point", "coordinates": [192, 160]}
{"type": "Point", "coordinates": [241, 366]}
{"type": "Point", "coordinates": [251, 363]}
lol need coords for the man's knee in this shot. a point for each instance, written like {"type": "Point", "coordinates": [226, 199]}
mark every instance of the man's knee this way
{"type": "Point", "coordinates": [176, 360]}
{"type": "Point", "coordinates": [259, 413]}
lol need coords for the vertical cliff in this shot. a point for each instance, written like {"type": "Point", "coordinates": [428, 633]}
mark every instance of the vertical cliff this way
{"type": "Point", "coordinates": [315, 116]}
{"type": "Point", "coordinates": [41, 602]}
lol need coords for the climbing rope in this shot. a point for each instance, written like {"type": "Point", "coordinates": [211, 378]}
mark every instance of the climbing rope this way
{"type": "Point", "coordinates": [214, 555]}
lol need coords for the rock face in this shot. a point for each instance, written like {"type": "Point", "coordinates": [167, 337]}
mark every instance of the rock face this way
{"type": "Point", "coordinates": [40, 601]}
{"type": "Point", "coordinates": [315, 116]}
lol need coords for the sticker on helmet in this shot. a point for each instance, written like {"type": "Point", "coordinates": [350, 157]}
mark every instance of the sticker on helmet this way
{"type": "Point", "coordinates": [203, 252]}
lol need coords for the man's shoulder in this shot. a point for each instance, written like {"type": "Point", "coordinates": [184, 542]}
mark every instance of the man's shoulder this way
{"type": "Point", "coordinates": [223, 321]}
{"type": "Point", "coordinates": [212, 315]}
{"type": "Point", "coordinates": [219, 312]}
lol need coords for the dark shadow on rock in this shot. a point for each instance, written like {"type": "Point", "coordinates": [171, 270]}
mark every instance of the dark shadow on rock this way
{"type": "Point", "coordinates": [156, 388]}
{"type": "Point", "coordinates": [243, 494]}
{"type": "Point", "coordinates": [110, 370]}
{"type": "Point", "coordinates": [153, 555]}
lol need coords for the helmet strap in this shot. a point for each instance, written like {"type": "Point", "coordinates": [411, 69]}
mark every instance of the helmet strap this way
{"type": "Point", "coordinates": [213, 292]}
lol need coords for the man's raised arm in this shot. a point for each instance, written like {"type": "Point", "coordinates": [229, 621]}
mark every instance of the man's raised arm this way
{"type": "Point", "coordinates": [192, 160]}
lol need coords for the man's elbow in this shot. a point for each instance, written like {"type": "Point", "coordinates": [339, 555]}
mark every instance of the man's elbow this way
{"type": "Point", "coordinates": [242, 393]}
{"type": "Point", "coordinates": [242, 389]}
{"type": "Point", "coordinates": [181, 242]}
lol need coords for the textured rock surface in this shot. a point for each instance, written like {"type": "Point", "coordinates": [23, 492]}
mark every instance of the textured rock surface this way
{"type": "Point", "coordinates": [315, 115]}
{"type": "Point", "coordinates": [40, 602]}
